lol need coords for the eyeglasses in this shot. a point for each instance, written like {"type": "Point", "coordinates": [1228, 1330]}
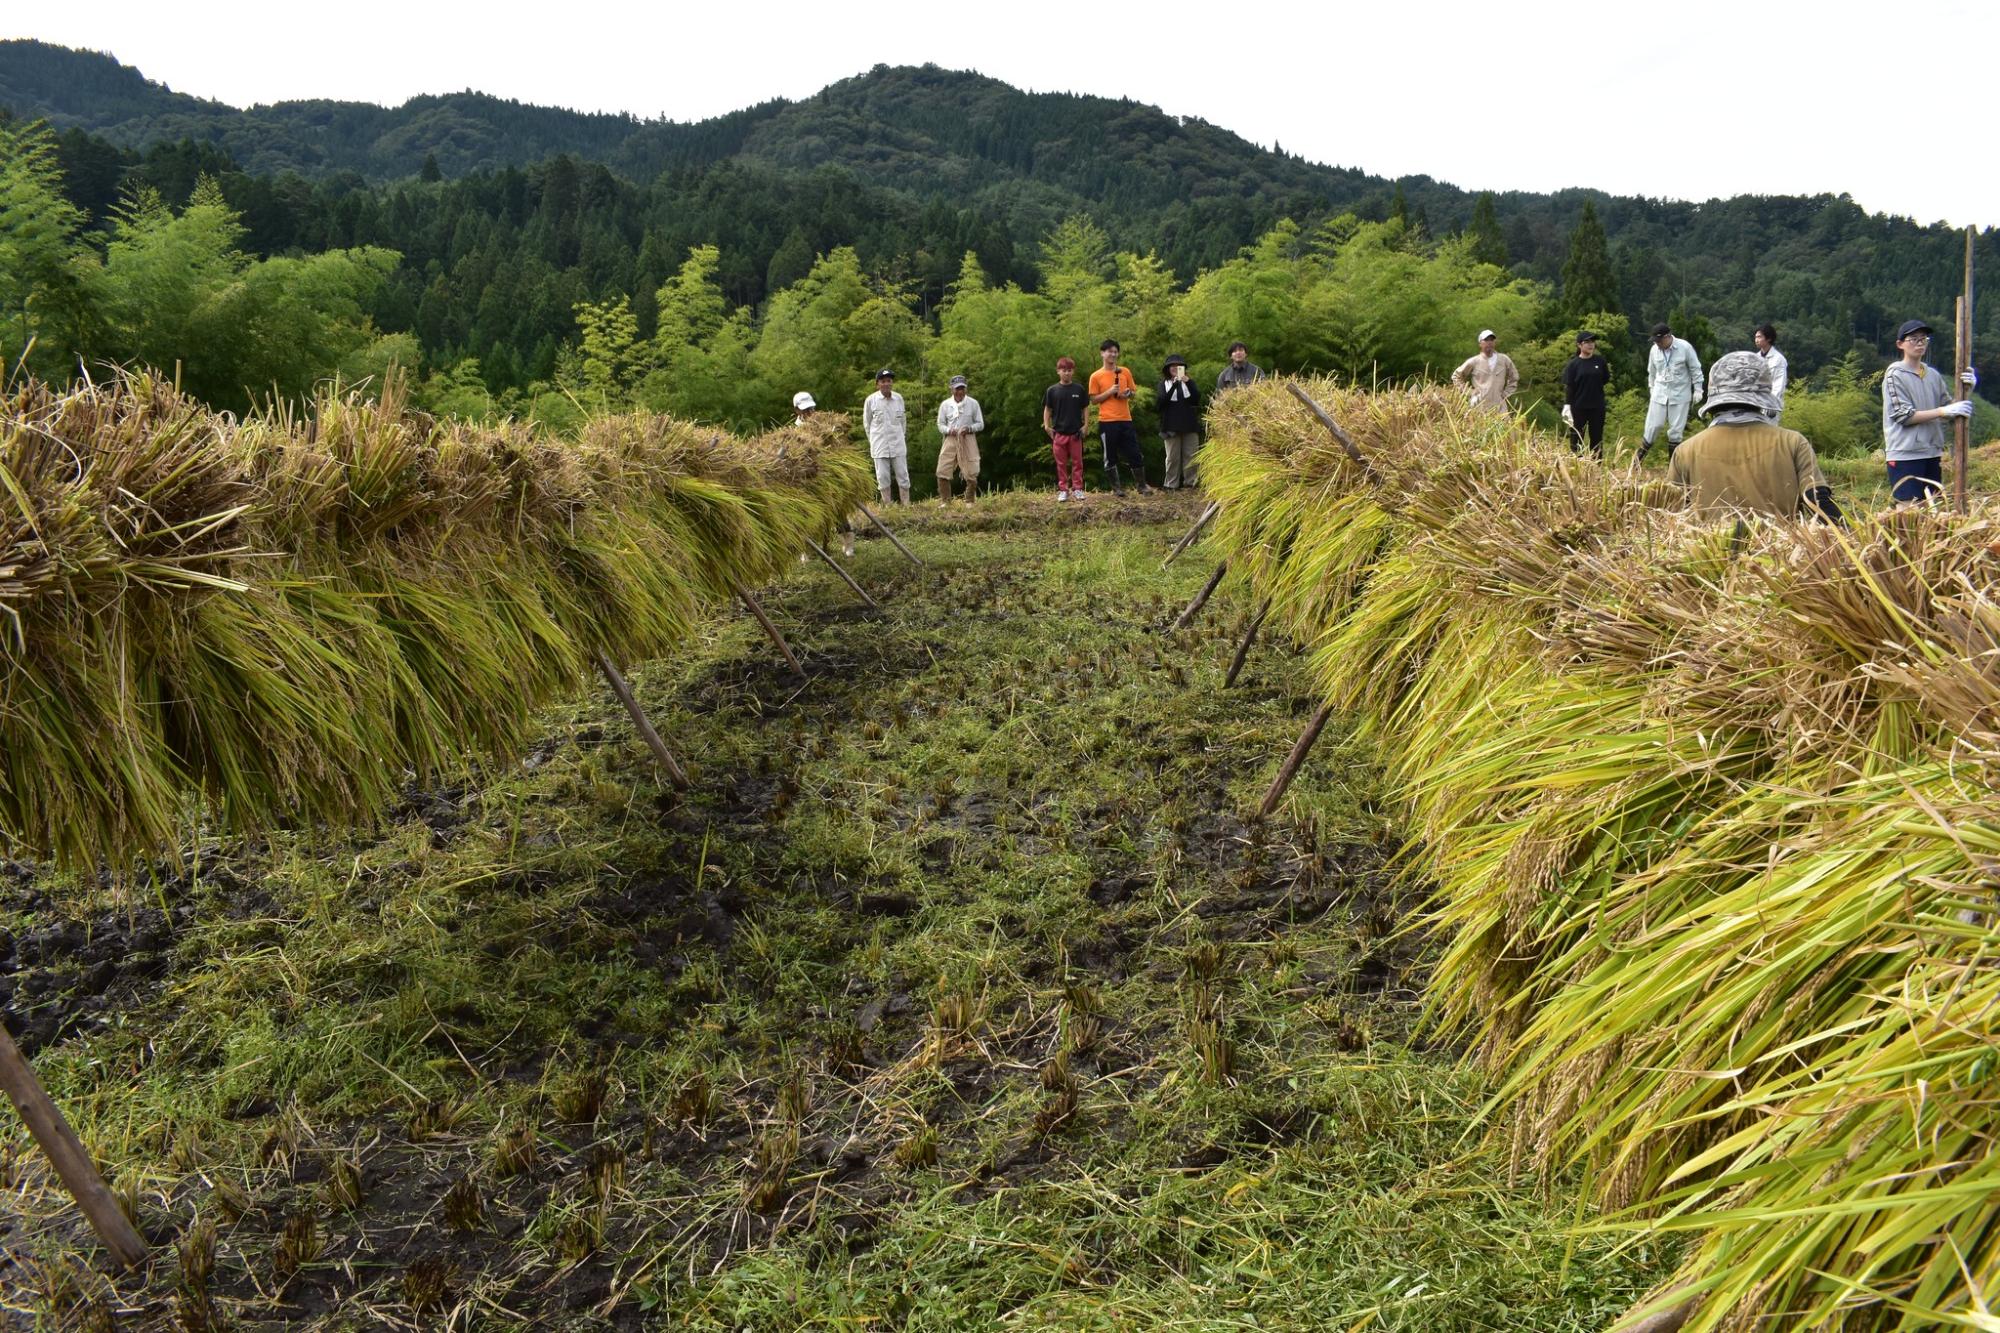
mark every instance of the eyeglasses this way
{"type": "Point", "coordinates": [1917, 338]}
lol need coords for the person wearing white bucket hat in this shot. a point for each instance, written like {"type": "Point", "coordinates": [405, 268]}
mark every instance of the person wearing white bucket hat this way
{"type": "Point", "coordinates": [1745, 462]}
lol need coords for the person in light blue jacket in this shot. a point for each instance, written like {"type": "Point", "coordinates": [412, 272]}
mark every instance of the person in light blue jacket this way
{"type": "Point", "coordinates": [1673, 383]}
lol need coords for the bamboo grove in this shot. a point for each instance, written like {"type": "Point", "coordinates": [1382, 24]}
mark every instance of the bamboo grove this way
{"type": "Point", "coordinates": [283, 619]}
{"type": "Point", "coordinates": [1713, 821]}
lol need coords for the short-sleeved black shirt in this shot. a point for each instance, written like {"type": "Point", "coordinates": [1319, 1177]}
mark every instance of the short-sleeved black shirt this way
{"type": "Point", "coordinates": [1066, 404]}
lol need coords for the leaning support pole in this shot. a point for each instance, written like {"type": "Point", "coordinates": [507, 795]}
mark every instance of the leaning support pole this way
{"type": "Point", "coordinates": [1961, 437]}
{"type": "Point", "coordinates": [675, 773]}
{"type": "Point", "coordinates": [859, 591]}
{"type": "Point", "coordinates": [1214, 508]}
{"type": "Point", "coordinates": [1290, 768]}
{"type": "Point", "coordinates": [1186, 617]}
{"type": "Point", "coordinates": [65, 1153]}
{"type": "Point", "coordinates": [1243, 648]}
{"type": "Point", "coordinates": [890, 535]}
{"type": "Point", "coordinates": [1345, 440]}
{"type": "Point", "coordinates": [784, 649]}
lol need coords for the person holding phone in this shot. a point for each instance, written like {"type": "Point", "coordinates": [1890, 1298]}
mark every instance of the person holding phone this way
{"type": "Point", "coordinates": [1112, 390]}
{"type": "Point", "coordinates": [1180, 422]}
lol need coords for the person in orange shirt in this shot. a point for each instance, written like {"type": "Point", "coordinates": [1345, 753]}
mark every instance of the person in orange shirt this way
{"type": "Point", "coordinates": [1111, 389]}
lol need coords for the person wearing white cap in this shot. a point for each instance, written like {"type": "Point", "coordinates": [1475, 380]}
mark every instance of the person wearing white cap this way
{"type": "Point", "coordinates": [883, 420]}
{"type": "Point", "coordinates": [803, 407]}
{"type": "Point", "coordinates": [1489, 377]}
{"type": "Point", "coordinates": [959, 420]}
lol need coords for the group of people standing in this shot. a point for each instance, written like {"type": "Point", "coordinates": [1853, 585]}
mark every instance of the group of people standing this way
{"type": "Point", "coordinates": [1916, 402]}
{"type": "Point", "coordinates": [1066, 407]}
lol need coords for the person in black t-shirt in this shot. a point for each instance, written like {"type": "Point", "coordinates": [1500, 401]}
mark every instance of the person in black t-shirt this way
{"type": "Point", "coordinates": [1585, 379]}
{"type": "Point", "coordinates": [1063, 406]}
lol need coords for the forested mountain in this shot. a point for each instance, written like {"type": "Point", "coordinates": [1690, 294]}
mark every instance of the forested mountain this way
{"type": "Point", "coordinates": [509, 219]}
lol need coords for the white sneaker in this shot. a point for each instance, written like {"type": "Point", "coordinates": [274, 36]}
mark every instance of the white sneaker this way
{"type": "Point", "coordinates": [1061, 496]}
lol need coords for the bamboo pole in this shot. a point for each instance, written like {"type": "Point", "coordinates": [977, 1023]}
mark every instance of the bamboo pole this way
{"type": "Point", "coordinates": [784, 649]}
{"type": "Point", "coordinates": [1290, 768]}
{"type": "Point", "coordinates": [890, 535]}
{"type": "Point", "coordinates": [1243, 648]}
{"type": "Point", "coordinates": [66, 1154]}
{"type": "Point", "coordinates": [1961, 436]}
{"type": "Point", "coordinates": [1345, 440]}
{"type": "Point", "coordinates": [1214, 508]}
{"type": "Point", "coordinates": [859, 591]}
{"type": "Point", "coordinates": [1201, 598]}
{"type": "Point", "coordinates": [675, 773]}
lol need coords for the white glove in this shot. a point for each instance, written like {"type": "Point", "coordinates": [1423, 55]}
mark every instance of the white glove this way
{"type": "Point", "coordinates": [1969, 378]}
{"type": "Point", "coordinates": [1961, 408]}
{"type": "Point", "coordinates": [1568, 418]}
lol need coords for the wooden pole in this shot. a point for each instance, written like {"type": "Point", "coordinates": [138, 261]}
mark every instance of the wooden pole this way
{"type": "Point", "coordinates": [1243, 648]}
{"type": "Point", "coordinates": [1961, 438]}
{"type": "Point", "coordinates": [1290, 768]}
{"type": "Point", "coordinates": [675, 773]}
{"type": "Point", "coordinates": [1201, 598]}
{"type": "Point", "coordinates": [784, 649]}
{"type": "Point", "coordinates": [890, 535]}
{"type": "Point", "coordinates": [1214, 508]}
{"type": "Point", "coordinates": [1345, 440]}
{"type": "Point", "coordinates": [65, 1153]}
{"type": "Point", "coordinates": [859, 591]}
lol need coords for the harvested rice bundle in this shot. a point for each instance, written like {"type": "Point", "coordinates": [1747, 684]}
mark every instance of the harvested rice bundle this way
{"type": "Point", "coordinates": [287, 617]}
{"type": "Point", "coordinates": [1709, 818]}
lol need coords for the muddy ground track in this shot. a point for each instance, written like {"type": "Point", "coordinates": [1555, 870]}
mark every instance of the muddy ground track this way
{"type": "Point", "coordinates": [836, 1168]}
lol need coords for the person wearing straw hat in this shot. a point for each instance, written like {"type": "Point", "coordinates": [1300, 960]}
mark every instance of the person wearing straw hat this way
{"type": "Point", "coordinates": [1917, 399]}
{"type": "Point", "coordinates": [1745, 462]}
{"type": "Point", "coordinates": [1489, 375]}
{"type": "Point", "coordinates": [887, 428]}
{"type": "Point", "coordinates": [959, 420]}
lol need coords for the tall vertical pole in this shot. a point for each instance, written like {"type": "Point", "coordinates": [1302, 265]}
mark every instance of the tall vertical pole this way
{"type": "Point", "coordinates": [1961, 442]}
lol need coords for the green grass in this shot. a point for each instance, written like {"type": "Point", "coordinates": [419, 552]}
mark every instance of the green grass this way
{"type": "Point", "coordinates": [957, 993]}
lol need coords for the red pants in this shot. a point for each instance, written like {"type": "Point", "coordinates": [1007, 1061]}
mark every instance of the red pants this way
{"type": "Point", "coordinates": [1069, 462]}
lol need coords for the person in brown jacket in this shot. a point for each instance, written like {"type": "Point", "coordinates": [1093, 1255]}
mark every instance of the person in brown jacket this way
{"type": "Point", "coordinates": [1745, 462]}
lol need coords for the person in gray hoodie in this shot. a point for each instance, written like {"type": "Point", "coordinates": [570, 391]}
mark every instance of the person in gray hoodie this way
{"type": "Point", "coordinates": [1917, 400]}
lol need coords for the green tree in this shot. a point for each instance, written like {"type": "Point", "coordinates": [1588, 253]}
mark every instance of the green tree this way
{"type": "Point", "coordinates": [1588, 283]}
{"type": "Point", "coordinates": [45, 271]}
{"type": "Point", "coordinates": [1489, 243]}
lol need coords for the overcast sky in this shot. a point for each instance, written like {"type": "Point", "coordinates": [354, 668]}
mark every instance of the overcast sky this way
{"type": "Point", "coordinates": [1690, 99]}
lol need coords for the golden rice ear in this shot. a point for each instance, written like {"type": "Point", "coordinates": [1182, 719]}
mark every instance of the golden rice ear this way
{"type": "Point", "coordinates": [1709, 819]}
{"type": "Point", "coordinates": [280, 618]}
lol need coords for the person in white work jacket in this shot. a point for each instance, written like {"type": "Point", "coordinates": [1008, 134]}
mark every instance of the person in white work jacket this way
{"type": "Point", "coordinates": [887, 427]}
{"type": "Point", "coordinates": [1766, 338]}
{"type": "Point", "coordinates": [959, 420]}
{"type": "Point", "coordinates": [1489, 377]}
{"type": "Point", "coordinates": [1673, 383]}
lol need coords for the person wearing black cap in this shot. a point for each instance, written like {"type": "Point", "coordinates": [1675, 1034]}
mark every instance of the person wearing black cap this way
{"type": "Point", "coordinates": [1180, 422]}
{"type": "Point", "coordinates": [1917, 400]}
{"type": "Point", "coordinates": [1584, 380]}
{"type": "Point", "coordinates": [1673, 384]}
{"type": "Point", "coordinates": [884, 422]}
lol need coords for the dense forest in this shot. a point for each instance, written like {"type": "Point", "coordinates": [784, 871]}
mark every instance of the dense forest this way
{"type": "Point", "coordinates": [501, 252]}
